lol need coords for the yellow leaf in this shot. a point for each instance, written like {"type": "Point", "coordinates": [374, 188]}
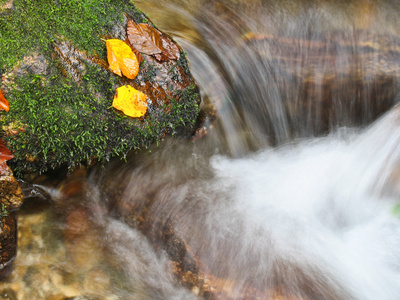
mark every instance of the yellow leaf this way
{"type": "Point", "coordinates": [121, 58]}
{"type": "Point", "coordinates": [130, 101]}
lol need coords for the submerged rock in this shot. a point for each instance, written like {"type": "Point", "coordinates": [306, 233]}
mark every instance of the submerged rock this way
{"type": "Point", "coordinates": [318, 81]}
{"type": "Point", "coordinates": [55, 76]}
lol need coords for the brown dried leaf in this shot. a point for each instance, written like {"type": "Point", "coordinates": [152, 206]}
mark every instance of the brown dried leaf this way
{"type": "Point", "coordinates": [170, 51]}
{"type": "Point", "coordinates": [144, 38]}
{"type": "Point", "coordinates": [148, 40]}
{"type": "Point", "coordinates": [135, 51]}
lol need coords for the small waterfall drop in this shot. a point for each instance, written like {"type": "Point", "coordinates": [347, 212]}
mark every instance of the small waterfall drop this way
{"type": "Point", "coordinates": [276, 71]}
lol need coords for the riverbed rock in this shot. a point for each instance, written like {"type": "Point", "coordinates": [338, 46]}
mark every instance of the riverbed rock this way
{"type": "Point", "coordinates": [10, 191]}
{"type": "Point", "coordinates": [10, 200]}
{"type": "Point", "coordinates": [55, 76]}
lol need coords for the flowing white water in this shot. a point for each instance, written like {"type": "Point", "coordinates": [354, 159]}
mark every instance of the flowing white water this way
{"type": "Point", "coordinates": [310, 218]}
{"type": "Point", "coordinates": [314, 219]}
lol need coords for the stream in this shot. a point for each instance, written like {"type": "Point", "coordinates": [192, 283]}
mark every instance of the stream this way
{"type": "Point", "coordinates": [278, 199]}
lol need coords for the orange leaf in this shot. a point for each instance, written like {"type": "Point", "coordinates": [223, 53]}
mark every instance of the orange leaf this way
{"type": "Point", "coordinates": [131, 101]}
{"type": "Point", "coordinates": [121, 58]}
{"type": "Point", "coordinates": [150, 41]}
{"type": "Point", "coordinates": [3, 102]}
{"type": "Point", "coordinates": [5, 153]}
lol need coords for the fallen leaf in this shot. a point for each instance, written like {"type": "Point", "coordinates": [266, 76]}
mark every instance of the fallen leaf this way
{"type": "Point", "coordinates": [131, 101]}
{"type": "Point", "coordinates": [3, 102]}
{"type": "Point", "coordinates": [139, 55]}
{"type": "Point", "coordinates": [144, 38]}
{"type": "Point", "coordinates": [148, 40]}
{"type": "Point", "coordinates": [170, 52]}
{"type": "Point", "coordinates": [5, 153]}
{"type": "Point", "coordinates": [121, 58]}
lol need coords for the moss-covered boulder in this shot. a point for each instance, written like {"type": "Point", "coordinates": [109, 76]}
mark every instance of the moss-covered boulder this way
{"type": "Point", "coordinates": [55, 75]}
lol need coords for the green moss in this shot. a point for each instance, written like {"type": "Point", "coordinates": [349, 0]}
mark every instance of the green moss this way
{"type": "Point", "coordinates": [65, 127]}
{"type": "Point", "coordinates": [34, 25]}
{"type": "Point", "coordinates": [66, 121]}
{"type": "Point", "coordinates": [182, 62]}
{"type": "Point", "coordinates": [185, 110]}
{"type": "Point", "coordinates": [3, 214]}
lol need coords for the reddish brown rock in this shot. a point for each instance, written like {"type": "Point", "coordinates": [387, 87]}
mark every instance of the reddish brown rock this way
{"type": "Point", "coordinates": [10, 191]}
{"type": "Point", "coordinates": [11, 200]}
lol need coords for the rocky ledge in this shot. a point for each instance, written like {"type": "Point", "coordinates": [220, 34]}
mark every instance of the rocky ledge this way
{"type": "Point", "coordinates": [56, 78]}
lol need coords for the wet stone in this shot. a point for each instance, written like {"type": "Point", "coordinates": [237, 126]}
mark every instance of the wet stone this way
{"type": "Point", "coordinates": [30, 275]}
{"type": "Point", "coordinates": [68, 81]}
{"type": "Point", "coordinates": [11, 194]}
{"type": "Point", "coordinates": [8, 294]}
{"type": "Point", "coordinates": [11, 199]}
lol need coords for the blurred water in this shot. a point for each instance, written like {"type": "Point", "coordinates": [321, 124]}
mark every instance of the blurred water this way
{"type": "Point", "coordinates": [279, 70]}
{"type": "Point", "coordinates": [309, 220]}
{"type": "Point", "coordinates": [293, 194]}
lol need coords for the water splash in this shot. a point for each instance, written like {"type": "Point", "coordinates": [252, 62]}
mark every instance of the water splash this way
{"type": "Point", "coordinates": [311, 220]}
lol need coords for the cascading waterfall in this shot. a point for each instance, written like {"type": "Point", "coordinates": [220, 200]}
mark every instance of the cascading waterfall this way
{"type": "Point", "coordinates": [293, 193]}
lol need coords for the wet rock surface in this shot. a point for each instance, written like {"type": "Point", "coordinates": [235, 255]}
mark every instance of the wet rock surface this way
{"type": "Point", "coordinates": [11, 199]}
{"type": "Point", "coordinates": [44, 269]}
{"type": "Point", "coordinates": [65, 252]}
{"type": "Point", "coordinates": [10, 191]}
{"type": "Point", "coordinates": [60, 88]}
{"type": "Point", "coordinates": [8, 245]}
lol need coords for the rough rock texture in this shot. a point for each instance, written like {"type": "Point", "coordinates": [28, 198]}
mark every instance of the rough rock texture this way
{"type": "Point", "coordinates": [8, 245]}
{"type": "Point", "coordinates": [55, 75]}
{"type": "Point", "coordinates": [10, 191]}
{"type": "Point", "coordinates": [11, 199]}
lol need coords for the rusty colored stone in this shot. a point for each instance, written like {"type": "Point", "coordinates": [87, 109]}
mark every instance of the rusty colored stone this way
{"type": "Point", "coordinates": [10, 191]}
{"type": "Point", "coordinates": [8, 245]}
{"type": "Point", "coordinates": [11, 199]}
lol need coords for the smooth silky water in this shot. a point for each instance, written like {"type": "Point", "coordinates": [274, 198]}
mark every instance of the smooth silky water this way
{"type": "Point", "coordinates": [296, 209]}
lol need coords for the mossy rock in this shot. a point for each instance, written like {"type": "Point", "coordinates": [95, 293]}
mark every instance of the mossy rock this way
{"type": "Point", "coordinates": [60, 90]}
